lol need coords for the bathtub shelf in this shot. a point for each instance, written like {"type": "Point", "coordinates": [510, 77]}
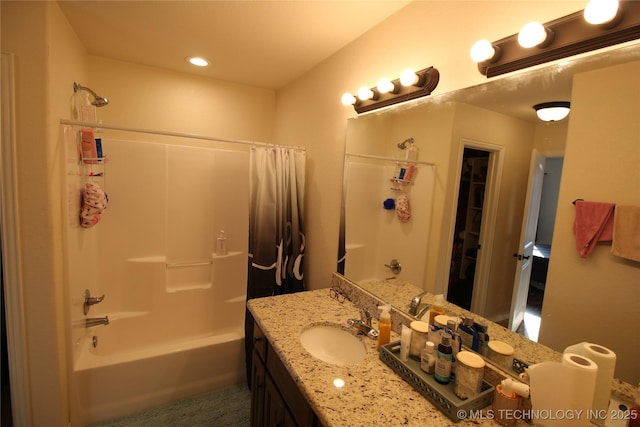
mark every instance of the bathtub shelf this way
{"type": "Point", "coordinates": [228, 255]}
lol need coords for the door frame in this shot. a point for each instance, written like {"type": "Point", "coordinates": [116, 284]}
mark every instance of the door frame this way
{"type": "Point", "coordinates": [489, 214]}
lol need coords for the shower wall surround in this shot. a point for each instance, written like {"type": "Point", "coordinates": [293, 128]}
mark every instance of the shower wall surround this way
{"type": "Point", "coordinates": [153, 256]}
{"type": "Point", "coordinates": [373, 235]}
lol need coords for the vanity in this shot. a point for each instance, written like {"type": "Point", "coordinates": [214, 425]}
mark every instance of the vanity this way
{"type": "Point", "coordinates": [292, 387]}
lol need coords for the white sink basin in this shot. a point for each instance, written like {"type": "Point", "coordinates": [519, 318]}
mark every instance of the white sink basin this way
{"type": "Point", "coordinates": [333, 345]}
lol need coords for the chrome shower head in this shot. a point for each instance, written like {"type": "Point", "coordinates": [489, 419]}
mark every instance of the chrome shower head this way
{"type": "Point", "coordinates": [98, 101]}
{"type": "Point", "coordinates": [402, 145]}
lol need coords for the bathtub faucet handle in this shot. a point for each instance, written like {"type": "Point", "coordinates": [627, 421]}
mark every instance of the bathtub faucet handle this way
{"type": "Point", "coordinates": [89, 301]}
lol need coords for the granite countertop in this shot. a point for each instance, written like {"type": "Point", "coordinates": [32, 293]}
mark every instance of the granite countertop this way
{"type": "Point", "coordinates": [372, 395]}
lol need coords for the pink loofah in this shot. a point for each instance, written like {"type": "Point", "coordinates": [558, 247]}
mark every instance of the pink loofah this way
{"type": "Point", "coordinates": [402, 208]}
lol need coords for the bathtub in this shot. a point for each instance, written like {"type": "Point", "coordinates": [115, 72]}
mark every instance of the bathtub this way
{"type": "Point", "coordinates": [115, 378]}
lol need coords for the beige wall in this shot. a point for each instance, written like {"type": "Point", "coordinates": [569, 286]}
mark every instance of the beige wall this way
{"type": "Point", "coordinates": [422, 34]}
{"type": "Point", "coordinates": [601, 164]}
{"type": "Point", "coordinates": [49, 58]}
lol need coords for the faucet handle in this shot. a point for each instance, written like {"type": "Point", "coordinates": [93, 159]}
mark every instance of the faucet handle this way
{"type": "Point", "coordinates": [365, 316]}
{"type": "Point", "coordinates": [89, 301]}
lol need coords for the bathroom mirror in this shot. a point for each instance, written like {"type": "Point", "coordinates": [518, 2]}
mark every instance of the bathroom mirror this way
{"type": "Point", "coordinates": [430, 122]}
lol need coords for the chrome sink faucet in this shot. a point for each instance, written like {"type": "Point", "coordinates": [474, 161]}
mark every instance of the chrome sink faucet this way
{"type": "Point", "coordinates": [363, 325]}
{"type": "Point", "coordinates": [415, 303]}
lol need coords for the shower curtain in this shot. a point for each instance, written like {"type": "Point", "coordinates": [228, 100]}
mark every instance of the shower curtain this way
{"type": "Point", "coordinates": [276, 232]}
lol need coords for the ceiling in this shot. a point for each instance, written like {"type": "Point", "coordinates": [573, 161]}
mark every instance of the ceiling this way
{"type": "Point", "coordinates": [260, 43]}
{"type": "Point", "coordinates": [269, 44]}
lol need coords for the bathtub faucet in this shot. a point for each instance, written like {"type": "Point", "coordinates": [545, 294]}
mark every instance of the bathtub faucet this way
{"type": "Point", "coordinates": [96, 321]}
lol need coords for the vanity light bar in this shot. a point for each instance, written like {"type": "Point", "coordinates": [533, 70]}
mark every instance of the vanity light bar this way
{"type": "Point", "coordinates": [571, 35]}
{"type": "Point", "coordinates": [424, 82]}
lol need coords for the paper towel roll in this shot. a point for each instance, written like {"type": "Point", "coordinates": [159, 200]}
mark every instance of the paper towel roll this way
{"type": "Point", "coordinates": [606, 361]}
{"type": "Point", "coordinates": [562, 392]}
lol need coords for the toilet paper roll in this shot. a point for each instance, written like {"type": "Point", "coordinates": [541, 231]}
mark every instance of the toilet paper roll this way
{"type": "Point", "coordinates": [562, 392]}
{"type": "Point", "coordinates": [606, 361]}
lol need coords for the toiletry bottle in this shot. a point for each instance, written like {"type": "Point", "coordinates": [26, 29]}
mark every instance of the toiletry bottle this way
{"type": "Point", "coordinates": [221, 244]}
{"type": "Point", "coordinates": [405, 342]}
{"type": "Point", "coordinates": [428, 359]}
{"type": "Point", "coordinates": [437, 308]}
{"type": "Point", "coordinates": [467, 333]}
{"type": "Point", "coordinates": [384, 325]}
{"type": "Point", "coordinates": [444, 357]}
{"type": "Point", "coordinates": [482, 342]}
{"type": "Point", "coordinates": [89, 153]}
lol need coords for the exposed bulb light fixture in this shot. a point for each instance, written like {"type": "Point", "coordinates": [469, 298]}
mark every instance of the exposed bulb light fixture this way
{"type": "Point", "coordinates": [602, 24]}
{"type": "Point", "coordinates": [348, 99]}
{"type": "Point", "coordinates": [196, 60]}
{"type": "Point", "coordinates": [410, 85]}
{"type": "Point", "coordinates": [533, 34]}
{"type": "Point", "coordinates": [386, 86]}
{"type": "Point", "coordinates": [482, 51]}
{"type": "Point", "coordinates": [552, 111]}
{"type": "Point", "coordinates": [364, 93]}
{"type": "Point", "coordinates": [409, 78]}
{"type": "Point", "coordinates": [598, 12]}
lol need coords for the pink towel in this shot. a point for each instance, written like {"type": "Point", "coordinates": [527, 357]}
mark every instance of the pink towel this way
{"type": "Point", "coordinates": [593, 224]}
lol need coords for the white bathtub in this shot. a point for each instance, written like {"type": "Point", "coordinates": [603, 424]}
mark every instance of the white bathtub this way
{"type": "Point", "coordinates": [116, 379]}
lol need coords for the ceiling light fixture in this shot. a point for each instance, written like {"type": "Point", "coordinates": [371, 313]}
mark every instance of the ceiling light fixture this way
{"type": "Point", "coordinates": [563, 37]}
{"type": "Point", "coordinates": [411, 85]}
{"type": "Point", "coordinates": [552, 111]}
{"type": "Point", "coordinates": [196, 60]}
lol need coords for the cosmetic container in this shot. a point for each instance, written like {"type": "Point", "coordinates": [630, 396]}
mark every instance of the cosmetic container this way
{"type": "Point", "coordinates": [469, 374]}
{"type": "Point", "coordinates": [428, 358]}
{"type": "Point", "coordinates": [436, 309]}
{"type": "Point", "coordinates": [501, 354]}
{"type": "Point", "coordinates": [419, 331]}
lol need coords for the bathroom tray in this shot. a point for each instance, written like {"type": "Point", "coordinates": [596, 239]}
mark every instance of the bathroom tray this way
{"type": "Point", "coordinates": [441, 395]}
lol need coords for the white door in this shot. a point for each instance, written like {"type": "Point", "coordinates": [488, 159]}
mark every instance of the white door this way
{"type": "Point", "coordinates": [524, 256]}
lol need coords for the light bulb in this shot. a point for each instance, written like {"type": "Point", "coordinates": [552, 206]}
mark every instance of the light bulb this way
{"type": "Point", "coordinates": [408, 77]}
{"type": "Point", "coordinates": [482, 50]}
{"type": "Point", "coordinates": [552, 111]}
{"type": "Point", "coordinates": [601, 11]}
{"type": "Point", "coordinates": [364, 93]}
{"type": "Point", "coordinates": [195, 60]}
{"type": "Point", "coordinates": [532, 34]}
{"type": "Point", "coordinates": [348, 99]}
{"type": "Point", "coordinates": [385, 85]}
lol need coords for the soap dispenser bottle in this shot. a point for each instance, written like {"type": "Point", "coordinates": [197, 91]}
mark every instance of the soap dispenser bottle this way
{"type": "Point", "coordinates": [384, 325]}
{"type": "Point", "coordinates": [221, 244]}
{"type": "Point", "coordinates": [437, 308]}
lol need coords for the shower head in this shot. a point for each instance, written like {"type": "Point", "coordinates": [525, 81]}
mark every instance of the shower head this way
{"type": "Point", "coordinates": [98, 101]}
{"type": "Point", "coordinates": [402, 145]}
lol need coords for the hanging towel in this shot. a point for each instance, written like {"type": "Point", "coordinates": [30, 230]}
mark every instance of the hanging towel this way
{"type": "Point", "coordinates": [626, 232]}
{"type": "Point", "coordinates": [593, 224]}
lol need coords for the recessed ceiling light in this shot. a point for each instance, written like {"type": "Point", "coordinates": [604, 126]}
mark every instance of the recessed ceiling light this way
{"type": "Point", "coordinates": [196, 60]}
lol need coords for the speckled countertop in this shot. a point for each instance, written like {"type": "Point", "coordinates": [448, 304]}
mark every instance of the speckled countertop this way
{"type": "Point", "coordinates": [373, 395]}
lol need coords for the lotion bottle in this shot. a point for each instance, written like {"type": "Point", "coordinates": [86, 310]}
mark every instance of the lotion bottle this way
{"type": "Point", "coordinates": [384, 325]}
{"type": "Point", "coordinates": [428, 359]}
{"type": "Point", "coordinates": [221, 244]}
{"type": "Point", "coordinates": [437, 308]}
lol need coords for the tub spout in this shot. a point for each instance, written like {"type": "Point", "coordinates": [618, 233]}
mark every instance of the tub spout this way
{"type": "Point", "coordinates": [96, 321]}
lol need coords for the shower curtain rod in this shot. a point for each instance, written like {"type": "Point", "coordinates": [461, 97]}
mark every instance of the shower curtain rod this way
{"type": "Point", "coordinates": [176, 134]}
{"type": "Point", "coordinates": [391, 159]}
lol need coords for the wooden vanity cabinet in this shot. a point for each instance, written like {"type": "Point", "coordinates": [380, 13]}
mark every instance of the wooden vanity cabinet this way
{"type": "Point", "coordinates": [275, 397]}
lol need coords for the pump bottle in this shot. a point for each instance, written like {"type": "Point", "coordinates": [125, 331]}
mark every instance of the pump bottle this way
{"type": "Point", "coordinates": [437, 308]}
{"type": "Point", "coordinates": [384, 334]}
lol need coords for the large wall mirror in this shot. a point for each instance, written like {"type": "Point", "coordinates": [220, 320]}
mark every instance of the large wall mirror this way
{"type": "Point", "coordinates": [471, 156]}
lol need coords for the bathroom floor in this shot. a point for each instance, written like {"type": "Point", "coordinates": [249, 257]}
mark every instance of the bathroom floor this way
{"type": "Point", "coordinates": [228, 407]}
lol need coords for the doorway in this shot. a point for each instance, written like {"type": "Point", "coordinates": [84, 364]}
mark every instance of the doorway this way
{"type": "Point", "coordinates": [541, 254]}
{"type": "Point", "coordinates": [466, 239]}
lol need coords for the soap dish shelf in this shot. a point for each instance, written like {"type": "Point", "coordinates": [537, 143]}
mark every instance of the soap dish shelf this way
{"type": "Point", "coordinates": [441, 395]}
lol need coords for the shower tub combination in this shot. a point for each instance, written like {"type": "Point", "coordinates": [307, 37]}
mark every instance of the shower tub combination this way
{"type": "Point", "coordinates": [175, 308]}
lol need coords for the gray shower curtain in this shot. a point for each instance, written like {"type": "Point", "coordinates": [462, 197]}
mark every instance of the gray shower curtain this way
{"type": "Point", "coordinates": [276, 231]}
